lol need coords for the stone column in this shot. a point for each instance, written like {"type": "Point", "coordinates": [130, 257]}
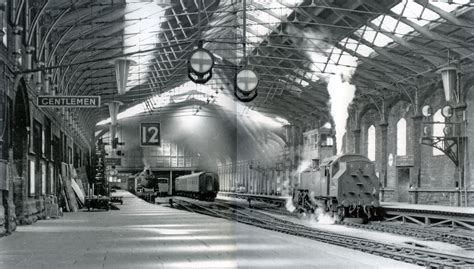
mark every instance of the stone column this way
{"type": "Point", "coordinates": [17, 32]}
{"type": "Point", "coordinates": [356, 137]}
{"type": "Point", "coordinates": [383, 152]}
{"type": "Point", "coordinates": [415, 173]}
{"type": "Point", "coordinates": [459, 172]}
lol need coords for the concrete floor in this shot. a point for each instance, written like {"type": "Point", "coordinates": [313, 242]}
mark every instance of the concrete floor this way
{"type": "Point", "coordinates": [142, 235]}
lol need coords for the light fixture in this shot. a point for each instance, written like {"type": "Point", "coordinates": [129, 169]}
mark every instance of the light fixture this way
{"type": "Point", "coordinates": [245, 87]}
{"type": "Point", "coordinates": [448, 131]}
{"type": "Point", "coordinates": [427, 111]}
{"type": "Point", "coordinates": [200, 64]}
{"type": "Point", "coordinates": [122, 68]}
{"type": "Point", "coordinates": [449, 77]}
{"type": "Point", "coordinates": [447, 111]}
{"type": "Point", "coordinates": [426, 130]}
{"type": "Point", "coordinates": [246, 81]}
{"type": "Point", "coordinates": [114, 107]}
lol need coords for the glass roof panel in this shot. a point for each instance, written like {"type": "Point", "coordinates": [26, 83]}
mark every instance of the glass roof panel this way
{"type": "Point", "coordinates": [392, 25]}
{"type": "Point", "coordinates": [355, 46]}
{"type": "Point", "coordinates": [141, 35]}
{"type": "Point", "coordinates": [191, 91]}
{"type": "Point", "coordinates": [449, 5]}
{"type": "Point", "coordinates": [265, 15]}
{"type": "Point", "coordinates": [415, 12]}
{"type": "Point", "coordinates": [374, 37]}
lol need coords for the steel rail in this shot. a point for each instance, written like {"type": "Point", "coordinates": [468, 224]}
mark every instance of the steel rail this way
{"type": "Point", "coordinates": [424, 257]}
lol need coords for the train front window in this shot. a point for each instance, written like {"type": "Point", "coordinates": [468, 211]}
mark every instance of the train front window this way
{"type": "Point", "coordinates": [335, 168]}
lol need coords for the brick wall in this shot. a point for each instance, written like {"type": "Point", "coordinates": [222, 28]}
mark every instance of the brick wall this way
{"type": "Point", "coordinates": [437, 176]}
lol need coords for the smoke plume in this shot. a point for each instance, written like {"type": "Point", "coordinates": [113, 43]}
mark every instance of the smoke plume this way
{"type": "Point", "coordinates": [146, 165]}
{"type": "Point", "coordinates": [341, 93]}
{"type": "Point", "coordinates": [337, 73]}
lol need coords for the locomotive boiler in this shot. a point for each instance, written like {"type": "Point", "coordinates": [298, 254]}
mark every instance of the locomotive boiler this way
{"type": "Point", "coordinates": [203, 185]}
{"type": "Point", "coordinates": [346, 186]}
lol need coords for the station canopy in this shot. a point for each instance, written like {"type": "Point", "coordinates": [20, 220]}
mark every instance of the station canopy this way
{"type": "Point", "coordinates": [298, 48]}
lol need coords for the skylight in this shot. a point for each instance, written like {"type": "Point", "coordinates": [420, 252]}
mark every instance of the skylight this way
{"type": "Point", "coordinates": [372, 36]}
{"type": "Point", "coordinates": [449, 5]}
{"type": "Point", "coordinates": [355, 46]}
{"type": "Point", "coordinates": [415, 12]}
{"type": "Point", "coordinates": [190, 91]}
{"type": "Point", "coordinates": [392, 26]}
{"type": "Point", "coordinates": [143, 21]}
{"type": "Point", "coordinates": [264, 16]}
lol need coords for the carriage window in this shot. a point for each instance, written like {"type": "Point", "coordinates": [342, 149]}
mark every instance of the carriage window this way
{"type": "Point", "coordinates": [323, 140]}
{"type": "Point", "coordinates": [315, 164]}
{"type": "Point", "coordinates": [335, 168]}
{"type": "Point", "coordinates": [329, 141]}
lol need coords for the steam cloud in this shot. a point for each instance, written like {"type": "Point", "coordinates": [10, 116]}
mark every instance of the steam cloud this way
{"type": "Point", "coordinates": [340, 90]}
{"type": "Point", "coordinates": [146, 165]}
{"type": "Point", "coordinates": [341, 94]}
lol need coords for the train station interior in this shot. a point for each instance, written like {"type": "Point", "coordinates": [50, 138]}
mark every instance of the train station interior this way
{"type": "Point", "coordinates": [236, 134]}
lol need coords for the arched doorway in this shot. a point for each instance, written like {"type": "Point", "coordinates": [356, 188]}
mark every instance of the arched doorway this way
{"type": "Point", "coordinates": [20, 127]}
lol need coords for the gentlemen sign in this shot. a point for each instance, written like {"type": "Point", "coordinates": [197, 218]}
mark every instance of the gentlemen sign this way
{"type": "Point", "coordinates": [69, 101]}
{"type": "Point", "coordinates": [150, 134]}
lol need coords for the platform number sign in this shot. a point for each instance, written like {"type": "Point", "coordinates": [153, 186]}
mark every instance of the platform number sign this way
{"type": "Point", "coordinates": [150, 134]}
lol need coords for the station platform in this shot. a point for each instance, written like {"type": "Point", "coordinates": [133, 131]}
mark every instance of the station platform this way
{"type": "Point", "coordinates": [433, 208]}
{"type": "Point", "coordinates": [143, 235]}
{"type": "Point", "coordinates": [430, 215]}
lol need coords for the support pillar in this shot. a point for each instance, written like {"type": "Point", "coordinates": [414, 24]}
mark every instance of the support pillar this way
{"type": "Point", "coordinates": [459, 172]}
{"type": "Point", "coordinates": [415, 171]}
{"type": "Point", "coordinates": [170, 184]}
{"type": "Point", "coordinates": [17, 33]}
{"type": "Point", "coordinates": [384, 153]}
{"type": "Point", "coordinates": [356, 137]}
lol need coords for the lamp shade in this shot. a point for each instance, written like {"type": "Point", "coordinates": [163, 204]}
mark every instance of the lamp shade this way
{"type": "Point", "coordinates": [449, 77]}
{"type": "Point", "coordinates": [114, 107]}
{"type": "Point", "coordinates": [246, 80]}
{"type": "Point", "coordinates": [122, 68]}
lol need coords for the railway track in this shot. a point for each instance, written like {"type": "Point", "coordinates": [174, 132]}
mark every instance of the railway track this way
{"type": "Point", "coordinates": [429, 234]}
{"type": "Point", "coordinates": [422, 257]}
{"type": "Point", "coordinates": [464, 241]}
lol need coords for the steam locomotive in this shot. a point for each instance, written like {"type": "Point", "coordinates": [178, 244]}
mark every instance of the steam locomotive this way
{"type": "Point", "coordinates": [146, 185]}
{"type": "Point", "coordinates": [345, 186]}
{"type": "Point", "coordinates": [203, 186]}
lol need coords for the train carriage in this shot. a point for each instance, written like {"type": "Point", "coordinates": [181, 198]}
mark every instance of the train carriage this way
{"type": "Point", "coordinates": [203, 185]}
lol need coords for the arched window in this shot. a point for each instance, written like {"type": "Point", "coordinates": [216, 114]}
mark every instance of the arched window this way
{"type": "Point", "coordinates": [371, 143]}
{"type": "Point", "coordinates": [4, 22]}
{"type": "Point", "coordinates": [402, 137]}
{"type": "Point", "coordinates": [438, 130]}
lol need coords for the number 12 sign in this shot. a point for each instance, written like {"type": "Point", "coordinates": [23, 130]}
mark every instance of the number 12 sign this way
{"type": "Point", "coordinates": [150, 134]}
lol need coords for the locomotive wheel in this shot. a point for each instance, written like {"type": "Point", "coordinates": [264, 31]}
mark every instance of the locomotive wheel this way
{"type": "Point", "coordinates": [339, 218]}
